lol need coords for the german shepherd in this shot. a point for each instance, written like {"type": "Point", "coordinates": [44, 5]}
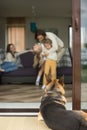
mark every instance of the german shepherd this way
{"type": "Point", "coordinates": [54, 112]}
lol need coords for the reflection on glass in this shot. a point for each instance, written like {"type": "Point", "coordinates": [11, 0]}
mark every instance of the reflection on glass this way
{"type": "Point", "coordinates": [83, 54]}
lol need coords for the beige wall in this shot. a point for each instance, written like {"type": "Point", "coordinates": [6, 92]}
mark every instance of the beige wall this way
{"type": "Point", "coordinates": [2, 32]}
{"type": "Point", "coordinates": [59, 23]}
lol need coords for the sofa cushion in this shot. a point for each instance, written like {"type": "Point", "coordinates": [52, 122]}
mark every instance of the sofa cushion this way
{"type": "Point", "coordinates": [66, 59]}
{"type": "Point", "coordinates": [27, 59]}
{"type": "Point", "coordinates": [21, 72]}
{"type": "Point", "coordinates": [64, 71]}
{"type": "Point", "coordinates": [2, 55]}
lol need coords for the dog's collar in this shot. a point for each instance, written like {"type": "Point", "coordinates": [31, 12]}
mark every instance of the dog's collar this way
{"type": "Point", "coordinates": [56, 99]}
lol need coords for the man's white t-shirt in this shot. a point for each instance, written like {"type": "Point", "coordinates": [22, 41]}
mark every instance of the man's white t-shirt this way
{"type": "Point", "coordinates": [56, 41]}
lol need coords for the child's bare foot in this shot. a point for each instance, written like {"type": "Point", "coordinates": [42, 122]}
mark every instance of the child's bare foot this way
{"type": "Point", "coordinates": [2, 70]}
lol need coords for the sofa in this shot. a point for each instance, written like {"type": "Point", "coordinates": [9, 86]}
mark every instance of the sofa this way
{"type": "Point", "coordinates": [24, 74]}
{"type": "Point", "coordinates": [27, 74]}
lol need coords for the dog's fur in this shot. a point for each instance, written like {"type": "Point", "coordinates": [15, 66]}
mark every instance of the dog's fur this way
{"type": "Point", "coordinates": [54, 112]}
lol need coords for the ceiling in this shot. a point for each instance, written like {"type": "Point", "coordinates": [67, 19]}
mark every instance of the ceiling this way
{"type": "Point", "coordinates": [35, 8]}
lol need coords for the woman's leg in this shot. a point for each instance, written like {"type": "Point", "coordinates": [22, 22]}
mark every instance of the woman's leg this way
{"type": "Point", "coordinates": [36, 61]}
{"type": "Point", "coordinates": [1, 70]}
{"type": "Point", "coordinates": [9, 66]}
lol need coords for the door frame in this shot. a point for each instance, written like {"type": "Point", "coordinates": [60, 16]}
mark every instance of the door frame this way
{"type": "Point", "coordinates": [76, 54]}
{"type": "Point", "coordinates": [76, 90]}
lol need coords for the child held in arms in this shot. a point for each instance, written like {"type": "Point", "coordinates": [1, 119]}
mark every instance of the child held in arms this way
{"type": "Point", "coordinates": [50, 55]}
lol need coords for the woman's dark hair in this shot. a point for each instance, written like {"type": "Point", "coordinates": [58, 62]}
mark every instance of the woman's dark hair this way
{"type": "Point", "coordinates": [8, 49]}
{"type": "Point", "coordinates": [40, 32]}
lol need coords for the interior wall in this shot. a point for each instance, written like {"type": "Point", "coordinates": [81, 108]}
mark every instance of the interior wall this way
{"type": "Point", "coordinates": [61, 24]}
{"type": "Point", "coordinates": [2, 32]}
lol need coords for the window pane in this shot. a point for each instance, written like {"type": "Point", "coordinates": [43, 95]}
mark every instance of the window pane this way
{"type": "Point", "coordinates": [16, 36]}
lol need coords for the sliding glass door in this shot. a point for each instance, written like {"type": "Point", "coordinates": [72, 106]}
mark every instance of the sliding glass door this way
{"type": "Point", "coordinates": [83, 54]}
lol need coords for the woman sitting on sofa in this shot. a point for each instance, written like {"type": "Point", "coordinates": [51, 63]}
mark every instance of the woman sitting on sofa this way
{"type": "Point", "coordinates": [12, 61]}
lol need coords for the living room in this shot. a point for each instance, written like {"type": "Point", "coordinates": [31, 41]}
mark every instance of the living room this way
{"type": "Point", "coordinates": [24, 98]}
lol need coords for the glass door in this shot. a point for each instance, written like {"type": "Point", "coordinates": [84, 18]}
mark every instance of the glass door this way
{"type": "Point", "coordinates": [83, 54]}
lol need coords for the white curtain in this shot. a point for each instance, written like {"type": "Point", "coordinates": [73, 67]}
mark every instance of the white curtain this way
{"type": "Point", "coordinates": [16, 36]}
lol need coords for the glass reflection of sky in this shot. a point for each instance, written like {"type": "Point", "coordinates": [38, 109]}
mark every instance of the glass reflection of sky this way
{"type": "Point", "coordinates": [83, 22]}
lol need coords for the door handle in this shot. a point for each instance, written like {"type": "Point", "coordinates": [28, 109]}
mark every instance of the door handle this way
{"type": "Point", "coordinates": [76, 24]}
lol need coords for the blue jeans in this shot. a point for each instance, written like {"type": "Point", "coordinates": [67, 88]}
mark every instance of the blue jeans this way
{"type": "Point", "coordinates": [9, 66]}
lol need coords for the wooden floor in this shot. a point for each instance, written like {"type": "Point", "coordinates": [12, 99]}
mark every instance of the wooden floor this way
{"type": "Point", "coordinates": [23, 93]}
{"type": "Point", "coordinates": [22, 123]}
{"type": "Point", "coordinates": [26, 93]}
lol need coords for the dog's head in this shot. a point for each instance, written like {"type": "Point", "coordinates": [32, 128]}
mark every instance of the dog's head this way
{"type": "Point", "coordinates": [55, 90]}
{"type": "Point", "coordinates": [57, 84]}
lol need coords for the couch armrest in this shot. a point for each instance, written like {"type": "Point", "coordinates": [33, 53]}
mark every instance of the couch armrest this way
{"type": "Point", "coordinates": [27, 59]}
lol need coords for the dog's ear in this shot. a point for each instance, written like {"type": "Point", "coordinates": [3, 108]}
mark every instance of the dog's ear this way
{"type": "Point", "coordinates": [61, 80]}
